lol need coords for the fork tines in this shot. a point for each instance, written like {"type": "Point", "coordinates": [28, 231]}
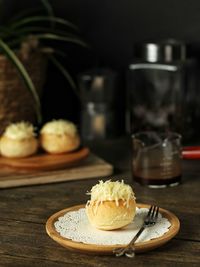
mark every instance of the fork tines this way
{"type": "Point", "coordinates": [152, 215]}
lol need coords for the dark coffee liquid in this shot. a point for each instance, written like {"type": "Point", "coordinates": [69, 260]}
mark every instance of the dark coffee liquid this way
{"type": "Point", "coordinates": [158, 165]}
{"type": "Point", "coordinates": [158, 182]}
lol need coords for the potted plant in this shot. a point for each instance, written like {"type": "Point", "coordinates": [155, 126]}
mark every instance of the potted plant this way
{"type": "Point", "coordinates": [27, 42]}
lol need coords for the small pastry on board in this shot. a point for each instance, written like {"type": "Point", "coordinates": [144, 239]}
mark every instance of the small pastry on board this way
{"type": "Point", "coordinates": [112, 205]}
{"type": "Point", "coordinates": [59, 136]}
{"type": "Point", "coordinates": [18, 140]}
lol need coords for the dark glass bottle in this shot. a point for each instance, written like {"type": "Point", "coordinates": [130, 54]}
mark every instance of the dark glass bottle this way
{"type": "Point", "coordinates": [160, 87]}
{"type": "Point", "coordinates": [98, 91]}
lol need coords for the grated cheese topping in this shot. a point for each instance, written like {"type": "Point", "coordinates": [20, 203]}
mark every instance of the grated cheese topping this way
{"type": "Point", "coordinates": [109, 190]}
{"type": "Point", "coordinates": [20, 130]}
{"type": "Point", "coordinates": [59, 127]}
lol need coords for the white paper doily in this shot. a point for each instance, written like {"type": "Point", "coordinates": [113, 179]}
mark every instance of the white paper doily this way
{"type": "Point", "coordinates": [74, 225]}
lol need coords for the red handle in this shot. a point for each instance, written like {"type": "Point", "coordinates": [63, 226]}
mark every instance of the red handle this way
{"type": "Point", "coordinates": [191, 152]}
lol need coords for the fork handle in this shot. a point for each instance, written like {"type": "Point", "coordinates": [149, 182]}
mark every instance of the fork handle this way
{"type": "Point", "coordinates": [128, 250]}
{"type": "Point", "coordinates": [136, 236]}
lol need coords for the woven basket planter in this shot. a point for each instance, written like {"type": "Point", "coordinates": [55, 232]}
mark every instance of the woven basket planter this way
{"type": "Point", "coordinates": [16, 102]}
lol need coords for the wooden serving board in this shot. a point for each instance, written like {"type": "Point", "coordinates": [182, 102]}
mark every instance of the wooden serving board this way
{"type": "Point", "coordinates": [45, 161]}
{"type": "Point", "coordinates": [90, 167]}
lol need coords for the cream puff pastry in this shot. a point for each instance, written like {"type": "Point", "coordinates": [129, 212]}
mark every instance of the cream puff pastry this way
{"type": "Point", "coordinates": [112, 205]}
{"type": "Point", "coordinates": [18, 140]}
{"type": "Point", "coordinates": [59, 136]}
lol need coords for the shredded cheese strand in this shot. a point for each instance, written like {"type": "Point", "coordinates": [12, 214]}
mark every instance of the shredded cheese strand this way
{"type": "Point", "coordinates": [20, 130]}
{"type": "Point", "coordinates": [112, 191]}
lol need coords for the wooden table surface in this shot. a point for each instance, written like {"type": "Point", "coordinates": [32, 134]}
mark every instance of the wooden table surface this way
{"type": "Point", "coordinates": [24, 212]}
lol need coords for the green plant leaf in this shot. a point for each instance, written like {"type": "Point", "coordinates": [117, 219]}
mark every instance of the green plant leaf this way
{"type": "Point", "coordinates": [32, 11]}
{"type": "Point", "coordinates": [25, 13]}
{"type": "Point", "coordinates": [52, 50]}
{"type": "Point", "coordinates": [69, 39]}
{"type": "Point", "coordinates": [33, 19]}
{"type": "Point", "coordinates": [25, 76]}
{"type": "Point", "coordinates": [48, 7]}
{"type": "Point", "coordinates": [65, 74]}
{"type": "Point", "coordinates": [50, 36]}
{"type": "Point", "coordinates": [32, 30]}
{"type": "Point", "coordinates": [49, 10]}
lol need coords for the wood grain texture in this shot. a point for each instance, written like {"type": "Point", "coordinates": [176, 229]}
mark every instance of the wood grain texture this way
{"type": "Point", "coordinates": [45, 161]}
{"type": "Point", "coordinates": [108, 250]}
{"type": "Point", "coordinates": [25, 210]}
{"type": "Point", "coordinates": [91, 167]}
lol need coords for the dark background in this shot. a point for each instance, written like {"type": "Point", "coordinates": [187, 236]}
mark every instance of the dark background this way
{"type": "Point", "coordinates": [111, 27]}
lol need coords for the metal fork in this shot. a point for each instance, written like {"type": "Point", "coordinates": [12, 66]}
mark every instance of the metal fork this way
{"type": "Point", "coordinates": [149, 220]}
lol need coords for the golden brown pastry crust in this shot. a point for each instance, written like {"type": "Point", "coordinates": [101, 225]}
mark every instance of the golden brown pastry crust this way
{"type": "Point", "coordinates": [56, 144]}
{"type": "Point", "coordinates": [107, 215]}
{"type": "Point", "coordinates": [18, 148]}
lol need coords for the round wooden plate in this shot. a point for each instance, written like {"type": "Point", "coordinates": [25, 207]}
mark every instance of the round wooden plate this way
{"type": "Point", "coordinates": [45, 161]}
{"type": "Point", "coordinates": [105, 249]}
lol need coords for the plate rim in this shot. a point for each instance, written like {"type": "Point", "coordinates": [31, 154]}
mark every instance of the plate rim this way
{"type": "Point", "coordinates": [108, 249]}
